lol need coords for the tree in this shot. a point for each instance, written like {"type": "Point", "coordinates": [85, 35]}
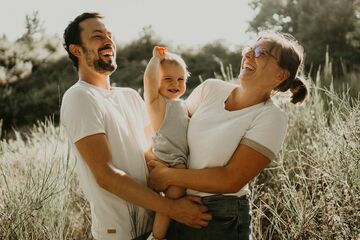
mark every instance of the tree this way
{"type": "Point", "coordinates": [317, 24]}
{"type": "Point", "coordinates": [34, 30]}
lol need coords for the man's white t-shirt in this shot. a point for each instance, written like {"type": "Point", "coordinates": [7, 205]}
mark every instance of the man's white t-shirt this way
{"type": "Point", "coordinates": [214, 133]}
{"type": "Point", "coordinates": [121, 115]}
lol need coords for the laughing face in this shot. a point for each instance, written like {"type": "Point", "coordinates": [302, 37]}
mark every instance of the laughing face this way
{"type": "Point", "coordinates": [98, 47]}
{"type": "Point", "coordinates": [259, 67]}
{"type": "Point", "coordinates": [172, 80]}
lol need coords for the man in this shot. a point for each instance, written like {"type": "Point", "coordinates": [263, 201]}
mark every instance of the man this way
{"type": "Point", "coordinates": [106, 127]}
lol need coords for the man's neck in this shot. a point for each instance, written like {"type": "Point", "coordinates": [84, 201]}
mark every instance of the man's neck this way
{"type": "Point", "coordinates": [96, 79]}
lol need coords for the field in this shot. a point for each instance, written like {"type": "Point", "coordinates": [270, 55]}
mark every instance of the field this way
{"type": "Point", "coordinates": [311, 191]}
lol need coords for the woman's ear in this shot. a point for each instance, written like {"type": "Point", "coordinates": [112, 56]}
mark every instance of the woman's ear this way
{"type": "Point", "coordinates": [74, 49]}
{"type": "Point", "coordinates": [282, 76]}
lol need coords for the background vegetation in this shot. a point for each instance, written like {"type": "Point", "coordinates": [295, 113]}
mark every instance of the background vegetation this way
{"type": "Point", "coordinates": [34, 71]}
{"type": "Point", "coordinates": [311, 191]}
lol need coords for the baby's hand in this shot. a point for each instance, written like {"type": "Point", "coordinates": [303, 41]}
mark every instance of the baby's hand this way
{"type": "Point", "coordinates": [159, 52]}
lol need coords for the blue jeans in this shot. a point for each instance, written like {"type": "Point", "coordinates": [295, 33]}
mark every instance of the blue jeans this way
{"type": "Point", "coordinates": [230, 220]}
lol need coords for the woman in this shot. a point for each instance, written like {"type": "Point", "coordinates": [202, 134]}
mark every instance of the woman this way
{"type": "Point", "coordinates": [234, 133]}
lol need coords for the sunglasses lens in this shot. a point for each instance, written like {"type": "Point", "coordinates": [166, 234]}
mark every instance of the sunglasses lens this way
{"type": "Point", "coordinates": [258, 51]}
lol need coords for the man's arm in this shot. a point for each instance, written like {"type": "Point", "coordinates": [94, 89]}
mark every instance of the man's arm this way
{"type": "Point", "coordinates": [96, 152]}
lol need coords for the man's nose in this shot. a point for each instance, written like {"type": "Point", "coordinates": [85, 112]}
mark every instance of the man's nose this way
{"type": "Point", "coordinates": [109, 41]}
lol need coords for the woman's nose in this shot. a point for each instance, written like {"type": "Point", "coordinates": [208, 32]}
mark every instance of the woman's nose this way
{"type": "Point", "coordinates": [249, 54]}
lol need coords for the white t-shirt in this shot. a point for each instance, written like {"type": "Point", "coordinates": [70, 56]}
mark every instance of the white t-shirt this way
{"type": "Point", "coordinates": [119, 113]}
{"type": "Point", "coordinates": [214, 133]}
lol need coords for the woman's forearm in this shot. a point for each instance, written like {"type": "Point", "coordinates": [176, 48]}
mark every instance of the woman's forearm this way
{"type": "Point", "coordinates": [211, 180]}
{"type": "Point", "coordinates": [243, 166]}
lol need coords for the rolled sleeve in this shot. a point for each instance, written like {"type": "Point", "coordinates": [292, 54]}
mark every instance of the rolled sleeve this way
{"type": "Point", "coordinates": [267, 133]}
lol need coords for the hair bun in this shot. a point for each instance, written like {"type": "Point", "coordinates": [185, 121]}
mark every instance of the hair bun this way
{"type": "Point", "coordinates": [296, 84]}
{"type": "Point", "coordinates": [298, 89]}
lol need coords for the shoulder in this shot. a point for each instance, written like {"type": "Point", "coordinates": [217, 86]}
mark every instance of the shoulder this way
{"type": "Point", "coordinates": [273, 114]}
{"type": "Point", "coordinates": [128, 92]}
{"type": "Point", "coordinates": [77, 92]}
{"type": "Point", "coordinates": [213, 83]}
{"type": "Point", "coordinates": [131, 95]}
{"type": "Point", "coordinates": [216, 86]}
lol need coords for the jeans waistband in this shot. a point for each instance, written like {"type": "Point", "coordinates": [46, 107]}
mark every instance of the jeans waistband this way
{"type": "Point", "coordinates": [226, 205]}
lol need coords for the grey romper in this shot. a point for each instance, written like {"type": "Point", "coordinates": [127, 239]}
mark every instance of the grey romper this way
{"type": "Point", "coordinates": [170, 141]}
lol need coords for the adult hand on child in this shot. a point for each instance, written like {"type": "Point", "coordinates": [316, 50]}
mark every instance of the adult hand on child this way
{"type": "Point", "coordinates": [157, 175]}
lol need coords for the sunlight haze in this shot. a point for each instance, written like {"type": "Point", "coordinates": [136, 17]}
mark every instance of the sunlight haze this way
{"type": "Point", "coordinates": [179, 23]}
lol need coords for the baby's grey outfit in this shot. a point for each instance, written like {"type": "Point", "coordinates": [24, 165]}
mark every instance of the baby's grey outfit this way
{"type": "Point", "coordinates": [170, 141]}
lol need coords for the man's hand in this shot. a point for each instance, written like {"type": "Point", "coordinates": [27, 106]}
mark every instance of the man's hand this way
{"type": "Point", "coordinates": [189, 211]}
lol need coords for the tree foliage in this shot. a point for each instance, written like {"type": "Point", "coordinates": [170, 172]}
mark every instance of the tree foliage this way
{"type": "Point", "coordinates": [317, 24]}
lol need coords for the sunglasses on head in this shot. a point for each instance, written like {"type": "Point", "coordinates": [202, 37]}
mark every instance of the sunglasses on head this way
{"type": "Point", "coordinates": [258, 52]}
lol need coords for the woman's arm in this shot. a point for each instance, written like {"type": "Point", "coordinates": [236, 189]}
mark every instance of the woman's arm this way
{"type": "Point", "coordinates": [243, 166]}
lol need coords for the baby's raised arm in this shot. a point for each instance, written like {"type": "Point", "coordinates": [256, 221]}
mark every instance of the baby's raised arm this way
{"type": "Point", "coordinates": [152, 75]}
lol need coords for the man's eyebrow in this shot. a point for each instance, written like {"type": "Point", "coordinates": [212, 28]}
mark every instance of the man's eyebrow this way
{"type": "Point", "coordinates": [98, 31]}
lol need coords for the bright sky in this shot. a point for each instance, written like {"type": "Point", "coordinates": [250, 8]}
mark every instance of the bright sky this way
{"type": "Point", "coordinates": [188, 23]}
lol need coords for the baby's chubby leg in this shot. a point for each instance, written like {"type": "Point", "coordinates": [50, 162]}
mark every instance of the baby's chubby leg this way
{"type": "Point", "coordinates": [162, 222]}
{"type": "Point", "coordinates": [175, 192]}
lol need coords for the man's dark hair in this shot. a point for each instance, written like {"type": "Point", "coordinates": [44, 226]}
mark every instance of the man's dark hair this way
{"type": "Point", "coordinates": [72, 34]}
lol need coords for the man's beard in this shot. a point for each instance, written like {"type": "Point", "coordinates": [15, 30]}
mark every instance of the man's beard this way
{"type": "Point", "coordinates": [98, 64]}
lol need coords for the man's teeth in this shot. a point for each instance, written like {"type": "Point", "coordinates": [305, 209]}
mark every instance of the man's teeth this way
{"type": "Point", "coordinates": [107, 53]}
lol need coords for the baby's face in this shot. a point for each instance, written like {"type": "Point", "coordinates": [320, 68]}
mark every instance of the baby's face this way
{"type": "Point", "coordinates": [172, 80]}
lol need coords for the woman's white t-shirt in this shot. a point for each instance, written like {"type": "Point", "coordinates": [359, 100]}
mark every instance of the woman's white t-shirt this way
{"type": "Point", "coordinates": [214, 133]}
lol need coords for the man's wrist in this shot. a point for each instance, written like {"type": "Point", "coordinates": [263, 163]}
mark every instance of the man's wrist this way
{"type": "Point", "coordinates": [167, 206]}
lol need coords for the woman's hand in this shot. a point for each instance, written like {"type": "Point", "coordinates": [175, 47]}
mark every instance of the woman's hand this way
{"type": "Point", "coordinates": [158, 175]}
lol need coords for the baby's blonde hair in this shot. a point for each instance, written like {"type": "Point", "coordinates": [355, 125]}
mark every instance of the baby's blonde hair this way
{"type": "Point", "coordinates": [175, 58]}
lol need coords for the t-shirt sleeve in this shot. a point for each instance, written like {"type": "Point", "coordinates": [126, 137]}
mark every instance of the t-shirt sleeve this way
{"type": "Point", "coordinates": [195, 98]}
{"type": "Point", "coordinates": [267, 132]}
{"type": "Point", "coordinates": [81, 115]}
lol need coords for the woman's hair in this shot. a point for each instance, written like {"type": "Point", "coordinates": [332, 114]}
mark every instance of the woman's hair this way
{"type": "Point", "coordinates": [72, 34]}
{"type": "Point", "coordinates": [291, 55]}
{"type": "Point", "coordinates": [176, 59]}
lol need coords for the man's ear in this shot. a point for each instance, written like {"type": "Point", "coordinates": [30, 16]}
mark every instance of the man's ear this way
{"type": "Point", "coordinates": [282, 76]}
{"type": "Point", "coordinates": [74, 49]}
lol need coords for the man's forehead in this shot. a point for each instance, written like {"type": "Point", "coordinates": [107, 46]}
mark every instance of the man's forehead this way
{"type": "Point", "coordinates": [92, 25]}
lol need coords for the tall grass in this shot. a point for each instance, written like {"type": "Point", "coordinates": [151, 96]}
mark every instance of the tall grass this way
{"type": "Point", "coordinates": [311, 191]}
{"type": "Point", "coordinates": [40, 198]}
